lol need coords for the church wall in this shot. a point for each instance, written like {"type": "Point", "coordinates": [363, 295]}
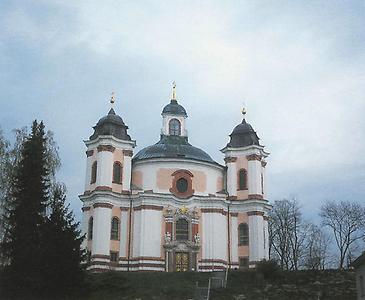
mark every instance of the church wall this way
{"type": "Point", "coordinates": [204, 179]}
{"type": "Point", "coordinates": [164, 178]}
{"type": "Point", "coordinates": [123, 247]}
{"type": "Point", "coordinates": [91, 157]}
{"type": "Point", "coordinates": [214, 241]}
{"type": "Point", "coordinates": [147, 226]}
{"type": "Point", "coordinates": [234, 239]}
{"type": "Point", "coordinates": [137, 178]}
{"type": "Point", "coordinates": [101, 231]}
{"type": "Point", "coordinates": [85, 225]}
{"type": "Point", "coordinates": [264, 180]}
{"type": "Point", "coordinates": [118, 157]}
{"type": "Point", "coordinates": [242, 163]}
{"type": "Point", "coordinates": [115, 244]}
{"type": "Point", "coordinates": [88, 214]}
{"type": "Point", "coordinates": [137, 238]}
{"type": "Point", "coordinates": [243, 251]}
{"type": "Point", "coordinates": [231, 178]}
{"type": "Point", "coordinates": [200, 182]}
{"type": "Point", "coordinates": [117, 188]}
{"type": "Point", "coordinates": [127, 172]}
{"type": "Point", "coordinates": [254, 177]}
{"type": "Point", "coordinates": [104, 169]}
{"type": "Point", "coordinates": [220, 183]}
{"type": "Point", "coordinates": [266, 238]}
{"type": "Point", "coordinates": [256, 236]}
{"type": "Point", "coordinates": [201, 234]}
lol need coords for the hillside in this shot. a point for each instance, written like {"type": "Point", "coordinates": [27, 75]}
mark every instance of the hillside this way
{"type": "Point", "coordinates": [301, 285]}
{"type": "Point", "coordinates": [241, 285]}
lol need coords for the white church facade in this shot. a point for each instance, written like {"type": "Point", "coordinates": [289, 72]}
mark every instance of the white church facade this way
{"type": "Point", "coordinates": [171, 207]}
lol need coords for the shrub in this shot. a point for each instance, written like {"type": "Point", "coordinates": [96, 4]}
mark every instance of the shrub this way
{"type": "Point", "coordinates": [269, 269]}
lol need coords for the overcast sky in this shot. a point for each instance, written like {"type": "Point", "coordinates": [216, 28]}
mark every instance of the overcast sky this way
{"type": "Point", "coordinates": [299, 66]}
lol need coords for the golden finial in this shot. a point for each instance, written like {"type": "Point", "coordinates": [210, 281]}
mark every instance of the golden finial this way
{"type": "Point", "coordinates": [243, 111]}
{"type": "Point", "coordinates": [112, 99]}
{"type": "Point", "coordinates": [173, 91]}
{"type": "Point", "coordinates": [243, 108]}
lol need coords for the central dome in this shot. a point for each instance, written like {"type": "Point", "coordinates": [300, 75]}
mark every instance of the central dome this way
{"type": "Point", "coordinates": [173, 147]}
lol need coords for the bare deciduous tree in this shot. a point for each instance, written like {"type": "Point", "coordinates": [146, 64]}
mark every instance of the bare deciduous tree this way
{"type": "Point", "coordinates": [347, 222]}
{"type": "Point", "coordinates": [317, 248]}
{"type": "Point", "coordinates": [287, 234]}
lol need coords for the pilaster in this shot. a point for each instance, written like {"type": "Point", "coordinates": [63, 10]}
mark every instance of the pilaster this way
{"type": "Point", "coordinates": [101, 230]}
{"type": "Point", "coordinates": [256, 237]}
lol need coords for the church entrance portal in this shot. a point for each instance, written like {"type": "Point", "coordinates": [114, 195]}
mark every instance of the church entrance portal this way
{"type": "Point", "coordinates": [181, 261]}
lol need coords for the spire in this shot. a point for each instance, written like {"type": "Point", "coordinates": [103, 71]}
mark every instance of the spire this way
{"type": "Point", "coordinates": [112, 99]}
{"type": "Point", "coordinates": [173, 91]}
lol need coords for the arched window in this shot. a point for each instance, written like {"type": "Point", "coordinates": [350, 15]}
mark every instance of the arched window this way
{"type": "Point", "coordinates": [114, 231]}
{"type": "Point", "coordinates": [242, 179]}
{"type": "Point", "coordinates": [90, 229]}
{"type": "Point", "coordinates": [117, 172]}
{"type": "Point", "coordinates": [94, 169]}
{"type": "Point", "coordinates": [243, 234]}
{"type": "Point", "coordinates": [182, 230]}
{"type": "Point", "coordinates": [174, 127]}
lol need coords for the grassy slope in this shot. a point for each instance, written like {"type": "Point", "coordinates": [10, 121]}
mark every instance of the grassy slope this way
{"type": "Point", "coordinates": [301, 285]}
{"type": "Point", "coordinates": [332, 285]}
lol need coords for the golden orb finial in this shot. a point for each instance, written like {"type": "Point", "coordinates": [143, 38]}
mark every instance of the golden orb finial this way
{"type": "Point", "coordinates": [243, 111]}
{"type": "Point", "coordinates": [173, 91]}
{"type": "Point", "coordinates": [112, 99]}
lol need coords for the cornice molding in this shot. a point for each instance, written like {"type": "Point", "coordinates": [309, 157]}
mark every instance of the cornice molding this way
{"type": "Point", "coordinates": [254, 157]}
{"type": "Point", "coordinates": [103, 205]}
{"type": "Point", "coordinates": [108, 148]}
{"type": "Point", "coordinates": [230, 159]}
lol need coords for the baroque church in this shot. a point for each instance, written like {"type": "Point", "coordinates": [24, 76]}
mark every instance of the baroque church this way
{"type": "Point", "coordinates": [171, 207]}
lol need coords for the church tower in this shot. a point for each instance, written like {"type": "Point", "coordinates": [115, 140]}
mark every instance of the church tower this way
{"type": "Point", "coordinates": [174, 118]}
{"type": "Point", "coordinates": [108, 178]}
{"type": "Point", "coordinates": [245, 160]}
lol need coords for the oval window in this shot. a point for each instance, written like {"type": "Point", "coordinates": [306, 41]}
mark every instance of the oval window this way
{"type": "Point", "coordinates": [182, 185]}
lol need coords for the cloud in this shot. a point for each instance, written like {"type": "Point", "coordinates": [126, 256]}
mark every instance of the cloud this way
{"type": "Point", "coordinates": [299, 67]}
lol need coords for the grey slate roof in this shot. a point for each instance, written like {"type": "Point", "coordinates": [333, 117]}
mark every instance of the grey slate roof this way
{"type": "Point", "coordinates": [111, 124]}
{"type": "Point", "coordinates": [243, 135]}
{"type": "Point", "coordinates": [173, 147]}
{"type": "Point", "coordinates": [175, 109]}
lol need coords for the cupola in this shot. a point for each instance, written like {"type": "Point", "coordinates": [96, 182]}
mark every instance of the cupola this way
{"type": "Point", "coordinates": [243, 135]}
{"type": "Point", "coordinates": [111, 124]}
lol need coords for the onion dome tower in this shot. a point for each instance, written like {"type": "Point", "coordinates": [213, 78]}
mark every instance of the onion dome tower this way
{"type": "Point", "coordinates": [245, 160]}
{"type": "Point", "coordinates": [108, 179]}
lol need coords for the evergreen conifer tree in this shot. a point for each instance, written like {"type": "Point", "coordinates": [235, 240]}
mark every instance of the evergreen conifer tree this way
{"type": "Point", "coordinates": [62, 246]}
{"type": "Point", "coordinates": [27, 213]}
{"type": "Point", "coordinates": [42, 240]}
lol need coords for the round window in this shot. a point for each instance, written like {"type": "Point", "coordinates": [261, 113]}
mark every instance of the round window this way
{"type": "Point", "coordinates": [182, 185]}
